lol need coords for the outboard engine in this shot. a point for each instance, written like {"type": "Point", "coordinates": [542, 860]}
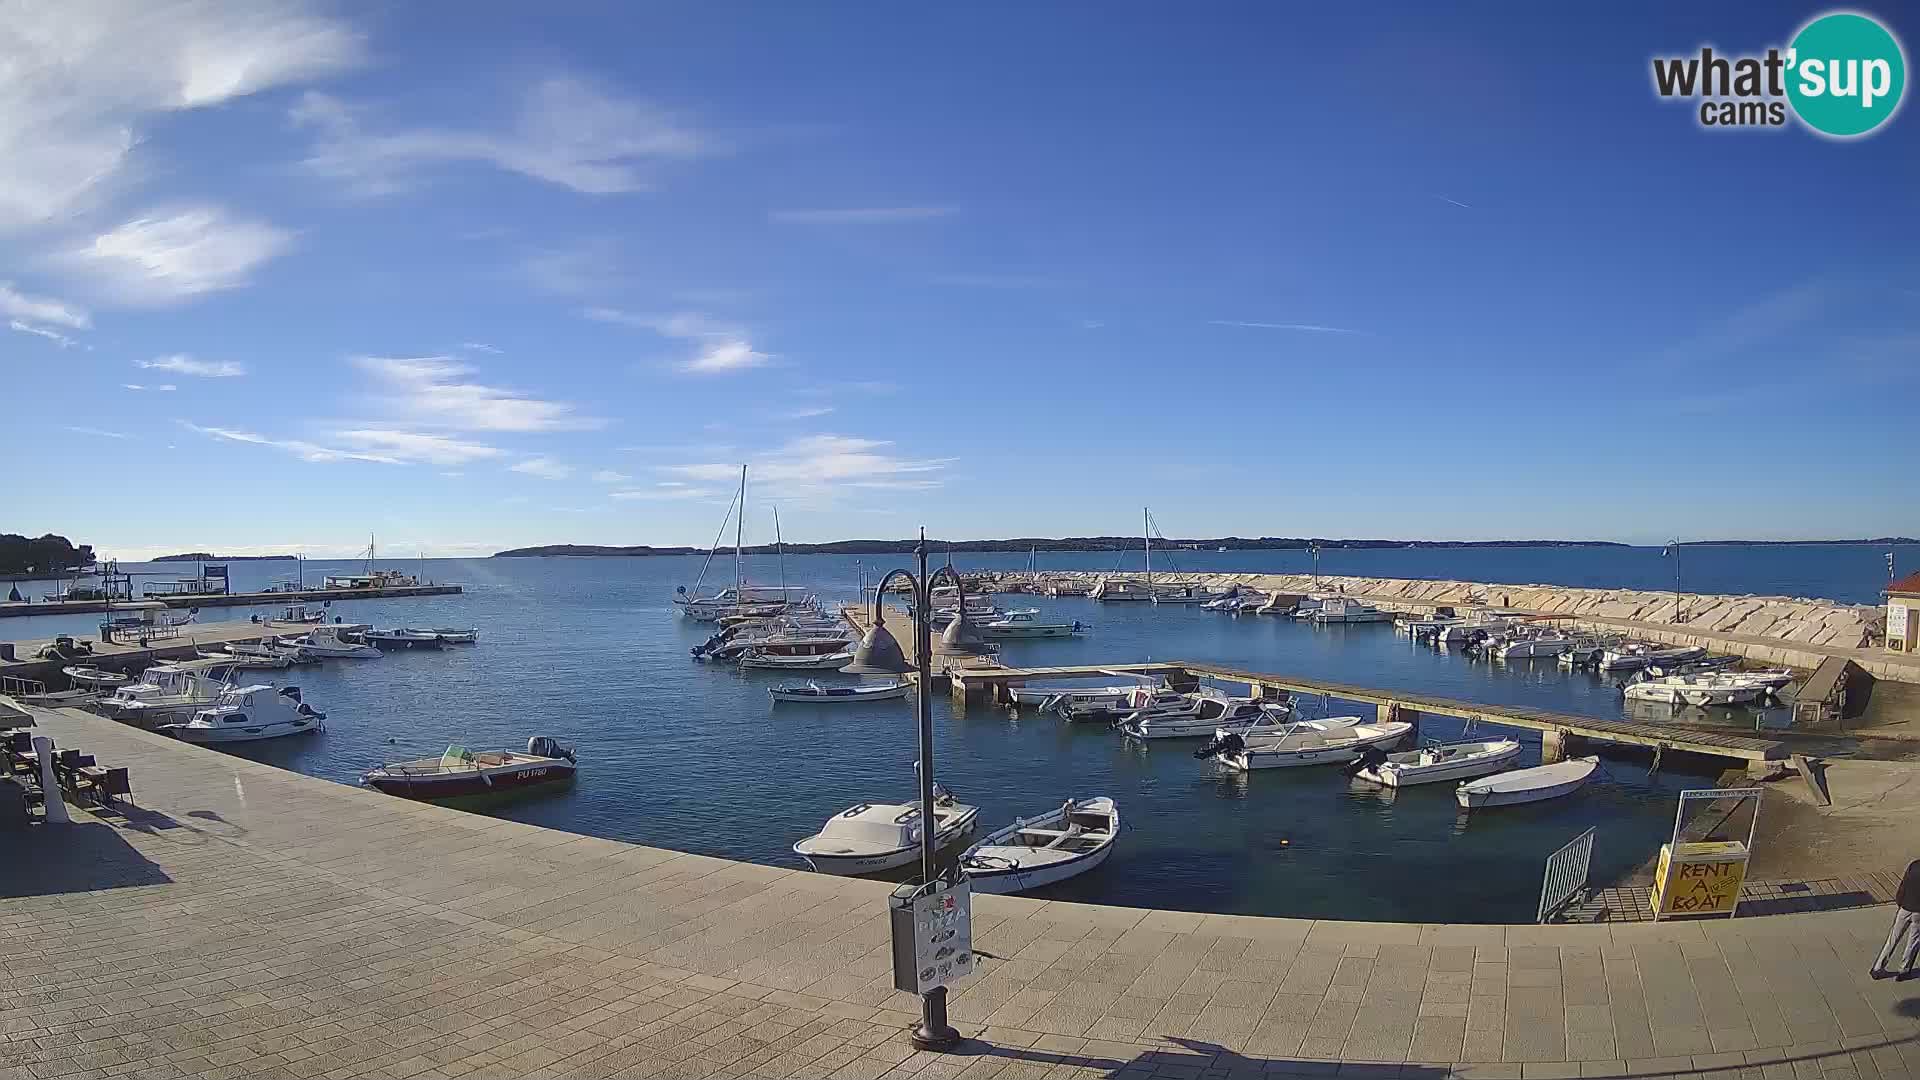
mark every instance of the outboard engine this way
{"type": "Point", "coordinates": [292, 692]}
{"type": "Point", "coordinates": [547, 746]}
{"type": "Point", "coordinates": [1368, 758]}
{"type": "Point", "coordinates": [1229, 743]}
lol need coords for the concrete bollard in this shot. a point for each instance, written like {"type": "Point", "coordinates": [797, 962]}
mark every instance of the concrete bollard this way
{"type": "Point", "coordinates": [56, 807]}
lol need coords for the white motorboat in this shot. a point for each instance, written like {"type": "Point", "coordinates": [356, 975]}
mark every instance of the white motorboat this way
{"type": "Point", "coordinates": [815, 694]}
{"type": "Point", "coordinates": [1544, 644]}
{"type": "Point", "coordinates": [333, 640]}
{"type": "Point", "coordinates": [1044, 694]}
{"type": "Point", "coordinates": [872, 838]}
{"type": "Point", "coordinates": [1193, 716]}
{"type": "Point", "coordinates": [1698, 690]}
{"type": "Point", "coordinates": [1345, 609]}
{"type": "Point", "coordinates": [251, 661]}
{"type": "Point", "coordinates": [1302, 745]}
{"type": "Point", "coordinates": [1044, 849]}
{"type": "Point", "coordinates": [94, 678]}
{"type": "Point", "coordinates": [404, 639]}
{"type": "Point", "coordinates": [1633, 656]}
{"type": "Point", "coordinates": [300, 613]}
{"type": "Point", "coordinates": [249, 714]}
{"type": "Point", "coordinates": [1026, 624]}
{"type": "Point", "coordinates": [768, 661]}
{"type": "Point", "coordinates": [1180, 594]}
{"type": "Point", "coordinates": [1773, 680]}
{"type": "Point", "coordinates": [1107, 710]}
{"type": "Point", "coordinates": [1537, 784]}
{"type": "Point", "coordinates": [168, 692]}
{"type": "Point", "coordinates": [449, 634]}
{"type": "Point", "coordinates": [1432, 764]}
{"type": "Point", "coordinates": [1581, 651]}
{"type": "Point", "coordinates": [1067, 587]}
{"type": "Point", "coordinates": [1274, 722]}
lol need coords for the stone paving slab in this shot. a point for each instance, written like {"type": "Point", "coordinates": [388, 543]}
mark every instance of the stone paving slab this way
{"type": "Point", "coordinates": [248, 921]}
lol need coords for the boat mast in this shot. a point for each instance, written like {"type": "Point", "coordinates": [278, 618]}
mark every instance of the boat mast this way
{"type": "Point", "coordinates": [780, 548]}
{"type": "Point", "coordinates": [1146, 531]}
{"type": "Point", "coordinates": [739, 524]}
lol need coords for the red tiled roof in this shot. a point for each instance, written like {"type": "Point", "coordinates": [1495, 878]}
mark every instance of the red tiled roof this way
{"type": "Point", "coordinates": [1906, 586]}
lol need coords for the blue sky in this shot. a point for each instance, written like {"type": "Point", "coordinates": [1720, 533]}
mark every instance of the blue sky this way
{"type": "Point", "coordinates": [280, 274]}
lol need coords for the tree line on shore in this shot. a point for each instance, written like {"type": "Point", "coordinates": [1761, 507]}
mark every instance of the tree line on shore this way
{"type": "Point", "coordinates": [49, 554]}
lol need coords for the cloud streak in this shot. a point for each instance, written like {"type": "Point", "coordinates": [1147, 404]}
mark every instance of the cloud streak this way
{"type": "Point", "coordinates": [305, 451]}
{"type": "Point", "coordinates": [182, 364]}
{"type": "Point", "coordinates": [870, 215]}
{"type": "Point", "coordinates": [54, 336]}
{"type": "Point", "coordinates": [822, 468]}
{"type": "Point", "coordinates": [567, 132]}
{"type": "Point", "coordinates": [545, 468]}
{"type": "Point", "coordinates": [42, 309]}
{"type": "Point", "coordinates": [171, 256]}
{"type": "Point", "coordinates": [1310, 328]}
{"type": "Point", "coordinates": [721, 349]}
{"type": "Point", "coordinates": [435, 390]}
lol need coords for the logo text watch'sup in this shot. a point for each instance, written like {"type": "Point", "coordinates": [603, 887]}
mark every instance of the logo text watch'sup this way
{"type": "Point", "coordinates": [1843, 75]}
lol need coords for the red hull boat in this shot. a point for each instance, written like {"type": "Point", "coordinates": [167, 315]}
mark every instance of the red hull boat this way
{"type": "Point", "coordinates": [461, 773]}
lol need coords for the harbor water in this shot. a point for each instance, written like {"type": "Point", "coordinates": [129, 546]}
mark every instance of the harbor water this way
{"type": "Point", "coordinates": [693, 757]}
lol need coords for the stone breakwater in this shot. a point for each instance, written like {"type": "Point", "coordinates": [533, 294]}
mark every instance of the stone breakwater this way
{"type": "Point", "coordinates": [1795, 631]}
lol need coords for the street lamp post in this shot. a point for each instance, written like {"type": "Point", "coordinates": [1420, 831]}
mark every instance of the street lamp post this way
{"type": "Point", "coordinates": [879, 653]}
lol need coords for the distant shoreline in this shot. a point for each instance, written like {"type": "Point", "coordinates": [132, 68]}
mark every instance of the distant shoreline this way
{"type": "Point", "coordinates": [1115, 543]}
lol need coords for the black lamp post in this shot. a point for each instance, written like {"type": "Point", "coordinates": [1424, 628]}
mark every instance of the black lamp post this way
{"type": "Point", "coordinates": [880, 654]}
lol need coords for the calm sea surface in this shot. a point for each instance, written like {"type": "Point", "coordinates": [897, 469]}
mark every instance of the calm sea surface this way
{"type": "Point", "coordinates": [692, 757]}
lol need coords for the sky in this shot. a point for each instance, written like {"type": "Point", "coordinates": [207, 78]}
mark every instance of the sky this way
{"type": "Point", "coordinates": [277, 275]}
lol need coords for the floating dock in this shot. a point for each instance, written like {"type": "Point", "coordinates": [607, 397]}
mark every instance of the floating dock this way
{"type": "Point", "coordinates": [200, 600]}
{"type": "Point", "coordinates": [975, 680]}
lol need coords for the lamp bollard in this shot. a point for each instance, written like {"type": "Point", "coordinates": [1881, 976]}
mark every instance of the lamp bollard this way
{"type": "Point", "coordinates": [55, 806]}
{"type": "Point", "coordinates": [932, 920]}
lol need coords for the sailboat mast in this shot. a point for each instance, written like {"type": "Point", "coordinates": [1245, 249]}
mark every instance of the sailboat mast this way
{"type": "Point", "coordinates": [780, 550]}
{"type": "Point", "coordinates": [1146, 531]}
{"type": "Point", "coordinates": [739, 525]}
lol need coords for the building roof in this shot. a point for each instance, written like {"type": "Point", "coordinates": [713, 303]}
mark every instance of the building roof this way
{"type": "Point", "coordinates": [1906, 586]}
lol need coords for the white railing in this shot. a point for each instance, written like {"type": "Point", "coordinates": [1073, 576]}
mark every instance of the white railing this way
{"type": "Point", "coordinates": [1566, 875]}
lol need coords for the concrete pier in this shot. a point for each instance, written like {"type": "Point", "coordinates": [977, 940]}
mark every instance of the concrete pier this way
{"type": "Point", "coordinates": [194, 600]}
{"type": "Point", "coordinates": [246, 921]}
{"type": "Point", "coordinates": [191, 639]}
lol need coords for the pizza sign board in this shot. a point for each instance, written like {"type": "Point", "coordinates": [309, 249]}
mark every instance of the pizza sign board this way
{"type": "Point", "coordinates": [932, 934]}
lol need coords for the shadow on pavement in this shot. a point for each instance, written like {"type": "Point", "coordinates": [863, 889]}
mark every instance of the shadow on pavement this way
{"type": "Point", "coordinates": [51, 859]}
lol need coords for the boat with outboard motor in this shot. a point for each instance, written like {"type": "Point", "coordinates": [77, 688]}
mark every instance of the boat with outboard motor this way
{"type": "Point", "coordinates": [1537, 784]}
{"type": "Point", "coordinates": [168, 692]}
{"type": "Point", "coordinates": [1026, 624]}
{"type": "Point", "coordinates": [1196, 715]}
{"type": "Point", "coordinates": [805, 661]}
{"type": "Point", "coordinates": [460, 773]}
{"type": "Point", "coordinates": [1432, 764]}
{"type": "Point", "coordinates": [93, 678]}
{"type": "Point", "coordinates": [400, 638]}
{"type": "Point", "coordinates": [249, 714]}
{"type": "Point", "coordinates": [873, 838]}
{"type": "Point", "coordinates": [337, 640]}
{"type": "Point", "coordinates": [1301, 745]}
{"type": "Point", "coordinates": [815, 694]}
{"type": "Point", "coordinates": [1045, 849]}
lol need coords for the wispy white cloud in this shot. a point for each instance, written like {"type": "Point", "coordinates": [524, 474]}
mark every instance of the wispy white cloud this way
{"type": "Point", "coordinates": [664, 491]}
{"type": "Point", "coordinates": [42, 309]}
{"type": "Point", "coordinates": [610, 476]}
{"type": "Point", "coordinates": [140, 386]}
{"type": "Point", "coordinates": [434, 390]}
{"type": "Point", "coordinates": [585, 269]}
{"type": "Point", "coordinates": [182, 364]}
{"type": "Point", "coordinates": [822, 467]}
{"type": "Point", "coordinates": [77, 81]}
{"type": "Point", "coordinates": [721, 348]}
{"type": "Point", "coordinates": [806, 412]}
{"type": "Point", "coordinates": [1310, 328]}
{"type": "Point", "coordinates": [1091, 324]}
{"type": "Point", "coordinates": [866, 215]}
{"type": "Point", "coordinates": [95, 431]}
{"type": "Point", "coordinates": [568, 132]}
{"type": "Point", "coordinates": [418, 446]}
{"type": "Point", "coordinates": [300, 448]}
{"type": "Point", "coordinates": [478, 346]}
{"type": "Point", "coordinates": [998, 281]}
{"type": "Point", "coordinates": [1755, 323]}
{"type": "Point", "coordinates": [1455, 202]}
{"type": "Point", "coordinates": [545, 468]}
{"type": "Point", "coordinates": [54, 336]}
{"type": "Point", "coordinates": [175, 255]}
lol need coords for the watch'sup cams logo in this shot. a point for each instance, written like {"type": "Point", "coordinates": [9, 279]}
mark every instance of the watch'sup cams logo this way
{"type": "Point", "coordinates": [1843, 75]}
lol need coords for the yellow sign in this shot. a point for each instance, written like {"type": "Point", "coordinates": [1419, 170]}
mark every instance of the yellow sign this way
{"type": "Point", "coordinates": [1699, 879]}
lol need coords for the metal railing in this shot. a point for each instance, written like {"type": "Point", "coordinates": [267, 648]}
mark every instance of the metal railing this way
{"type": "Point", "coordinates": [1566, 875]}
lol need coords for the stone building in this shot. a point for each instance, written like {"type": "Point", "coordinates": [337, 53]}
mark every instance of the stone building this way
{"type": "Point", "coordinates": [1903, 615]}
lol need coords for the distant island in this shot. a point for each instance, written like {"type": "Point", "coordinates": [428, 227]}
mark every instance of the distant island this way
{"type": "Point", "coordinates": [1071, 543]}
{"type": "Point", "coordinates": [48, 556]}
{"type": "Point", "coordinates": [201, 556]}
{"type": "Point", "coordinates": [1892, 541]}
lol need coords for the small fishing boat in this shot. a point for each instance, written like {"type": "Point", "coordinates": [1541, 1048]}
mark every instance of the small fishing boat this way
{"type": "Point", "coordinates": [333, 640]}
{"type": "Point", "coordinates": [168, 692]}
{"type": "Point", "coordinates": [809, 662]}
{"type": "Point", "coordinates": [1550, 643]}
{"type": "Point", "coordinates": [1432, 764]}
{"type": "Point", "coordinates": [1634, 656]}
{"type": "Point", "coordinates": [254, 661]}
{"type": "Point", "coordinates": [1044, 849]}
{"type": "Point", "coordinates": [1048, 695]}
{"type": "Point", "coordinates": [1694, 667]}
{"type": "Point", "coordinates": [872, 838]}
{"type": "Point", "coordinates": [1112, 589]}
{"type": "Point", "coordinates": [249, 714]}
{"type": "Point", "coordinates": [461, 773]}
{"type": "Point", "coordinates": [94, 678]}
{"type": "Point", "coordinates": [1345, 609]}
{"type": "Point", "coordinates": [1197, 716]}
{"type": "Point", "coordinates": [448, 634]}
{"type": "Point", "coordinates": [1537, 784]}
{"type": "Point", "coordinates": [300, 613]}
{"type": "Point", "coordinates": [1025, 624]}
{"type": "Point", "coordinates": [1581, 652]}
{"type": "Point", "coordinates": [1275, 721]}
{"type": "Point", "coordinates": [60, 699]}
{"type": "Point", "coordinates": [1699, 690]}
{"type": "Point", "coordinates": [1301, 745]}
{"type": "Point", "coordinates": [404, 639]}
{"type": "Point", "coordinates": [1067, 587]}
{"type": "Point", "coordinates": [816, 694]}
{"type": "Point", "coordinates": [1773, 680]}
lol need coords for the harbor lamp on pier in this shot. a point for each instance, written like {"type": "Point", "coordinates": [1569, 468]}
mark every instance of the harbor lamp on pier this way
{"type": "Point", "coordinates": [932, 935]}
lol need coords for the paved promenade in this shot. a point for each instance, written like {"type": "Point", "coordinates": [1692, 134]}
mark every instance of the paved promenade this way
{"type": "Point", "coordinates": [253, 922]}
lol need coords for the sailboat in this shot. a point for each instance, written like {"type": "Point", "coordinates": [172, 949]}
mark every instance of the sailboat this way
{"type": "Point", "coordinates": [741, 599]}
{"type": "Point", "coordinates": [1112, 589]}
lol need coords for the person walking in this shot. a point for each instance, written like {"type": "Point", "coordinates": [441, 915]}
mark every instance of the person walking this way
{"type": "Point", "coordinates": [1906, 923]}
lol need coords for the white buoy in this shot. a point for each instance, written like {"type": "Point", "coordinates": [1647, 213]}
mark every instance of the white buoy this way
{"type": "Point", "coordinates": [55, 806]}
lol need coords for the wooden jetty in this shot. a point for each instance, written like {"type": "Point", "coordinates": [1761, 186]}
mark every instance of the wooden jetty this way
{"type": "Point", "coordinates": [200, 600]}
{"type": "Point", "coordinates": [975, 679]}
